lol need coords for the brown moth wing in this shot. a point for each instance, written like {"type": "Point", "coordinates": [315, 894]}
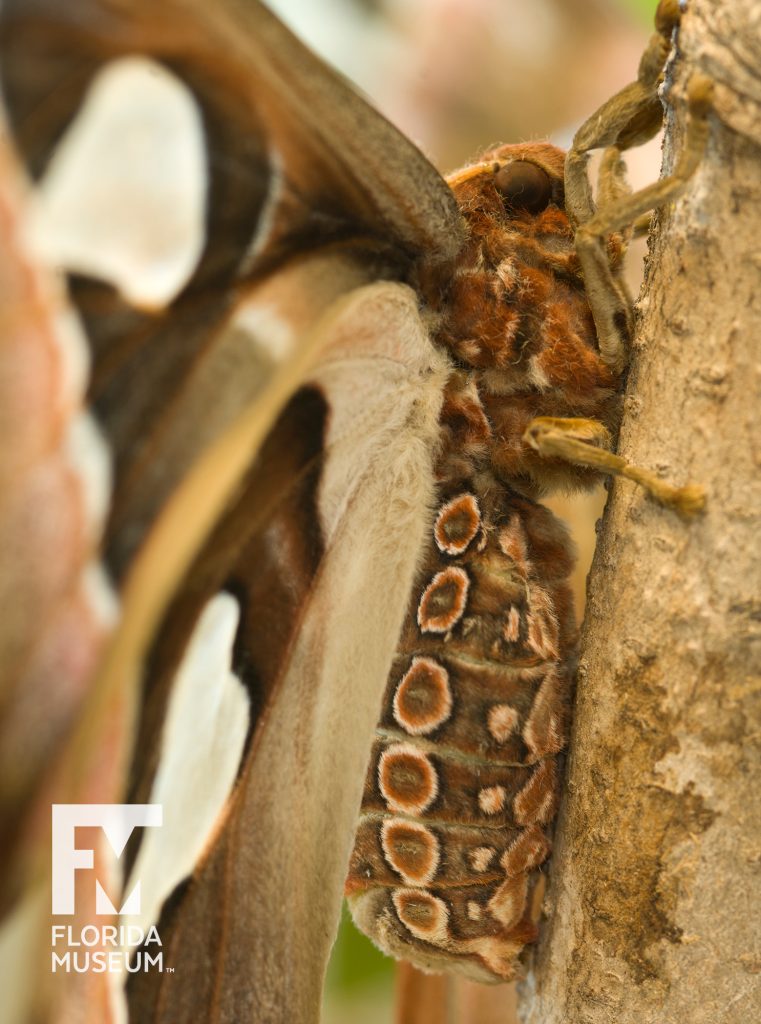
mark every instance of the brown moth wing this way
{"type": "Point", "coordinates": [264, 94]}
{"type": "Point", "coordinates": [362, 202]}
{"type": "Point", "coordinates": [323, 580]}
{"type": "Point", "coordinates": [297, 162]}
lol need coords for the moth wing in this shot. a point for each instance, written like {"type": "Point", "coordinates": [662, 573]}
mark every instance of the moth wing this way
{"type": "Point", "coordinates": [310, 194]}
{"type": "Point", "coordinates": [323, 585]}
{"type": "Point", "coordinates": [297, 165]}
{"type": "Point", "coordinates": [270, 108]}
{"type": "Point", "coordinates": [58, 609]}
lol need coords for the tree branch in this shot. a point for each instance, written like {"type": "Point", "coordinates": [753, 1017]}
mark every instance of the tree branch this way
{"type": "Point", "coordinates": [656, 868]}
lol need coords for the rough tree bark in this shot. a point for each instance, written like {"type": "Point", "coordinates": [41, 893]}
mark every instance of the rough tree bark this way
{"type": "Point", "coordinates": [655, 883]}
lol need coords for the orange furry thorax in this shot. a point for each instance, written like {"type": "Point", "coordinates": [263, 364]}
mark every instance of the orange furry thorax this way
{"type": "Point", "coordinates": [515, 317]}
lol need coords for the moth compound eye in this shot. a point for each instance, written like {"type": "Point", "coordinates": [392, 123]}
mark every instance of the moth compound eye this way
{"type": "Point", "coordinates": [524, 186]}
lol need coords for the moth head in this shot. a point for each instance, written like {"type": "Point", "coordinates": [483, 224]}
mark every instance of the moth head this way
{"type": "Point", "coordinates": [525, 186]}
{"type": "Point", "coordinates": [529, 180]}
{"type": "Point", "coordinates": [517, 319]}
{"type": "Point", "coordinates": [513, 182]}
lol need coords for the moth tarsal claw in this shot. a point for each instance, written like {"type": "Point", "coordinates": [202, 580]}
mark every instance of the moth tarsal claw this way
{"type": "Point", "coordinates": [689, 501]}
{"type": "Point", "coordinates": [668, 14]}
{"type": "Point", "coordinates": [700, 93]}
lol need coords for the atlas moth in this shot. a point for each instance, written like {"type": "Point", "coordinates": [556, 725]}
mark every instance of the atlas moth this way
{"type": "Point", "coordinates": [328, 433]}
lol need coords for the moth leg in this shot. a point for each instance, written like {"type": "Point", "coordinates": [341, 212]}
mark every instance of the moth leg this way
{"type": "Point", "coordinates": [630, 118]}
{"type": "Point", "coordinates": [641, 226]}
{"type": "Point", "coordinates": [610, 303]}
{"type": "Point", "coordinates": [612, 184]}
{"type": "Point", "coordinates": [587, 443]}
{"type": "Point", "coordinates": [627, 119]}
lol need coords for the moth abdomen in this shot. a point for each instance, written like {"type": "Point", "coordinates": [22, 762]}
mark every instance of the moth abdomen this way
{"type": "Point", "coordinates": [463, 779]}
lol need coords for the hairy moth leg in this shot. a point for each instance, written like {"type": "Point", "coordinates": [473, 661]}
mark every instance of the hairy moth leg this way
{"type": "Point", "coordinates": [586, 443]}
{"type": "Point", "coordinates": [629, 118]}
{"type": "Point", "coordinates": [610, 304]}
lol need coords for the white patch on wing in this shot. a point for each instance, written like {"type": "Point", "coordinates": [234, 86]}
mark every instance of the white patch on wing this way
{"type": "Point", "coordinates": [202, 742]}
{"type": "Point", "coordinates": [70, 339]}
{"type": "Point", "coordinates": [90, 457]}
{"type": "Point", "coordinates": [102, 598]}
{"type": "Point", "coordinates": [270, 331]}
{"type": "Point", "coordinates": [123, 197]}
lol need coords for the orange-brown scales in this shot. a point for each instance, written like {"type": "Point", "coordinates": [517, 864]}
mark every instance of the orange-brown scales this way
{"type": "Point", "coordinates": [462, 788]}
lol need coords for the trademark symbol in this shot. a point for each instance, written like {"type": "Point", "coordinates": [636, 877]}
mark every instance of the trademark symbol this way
{"type": "Point", "coordinates": [169, 970]}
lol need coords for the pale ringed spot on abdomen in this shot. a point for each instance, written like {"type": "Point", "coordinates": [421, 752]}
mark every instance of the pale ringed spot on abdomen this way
{"type": "Point", "coordinates": [411, 849]}
{"type": "Point", "coordinates": [457, 524]}
{"type": "Point", "coordinates": [423, 698]}
{"type": "Point", "coordinates": [443, 602]}
{"type": "Point", "coordinates": [422, 913]}
{"type": "Point", "coordinates": [407, 779]}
